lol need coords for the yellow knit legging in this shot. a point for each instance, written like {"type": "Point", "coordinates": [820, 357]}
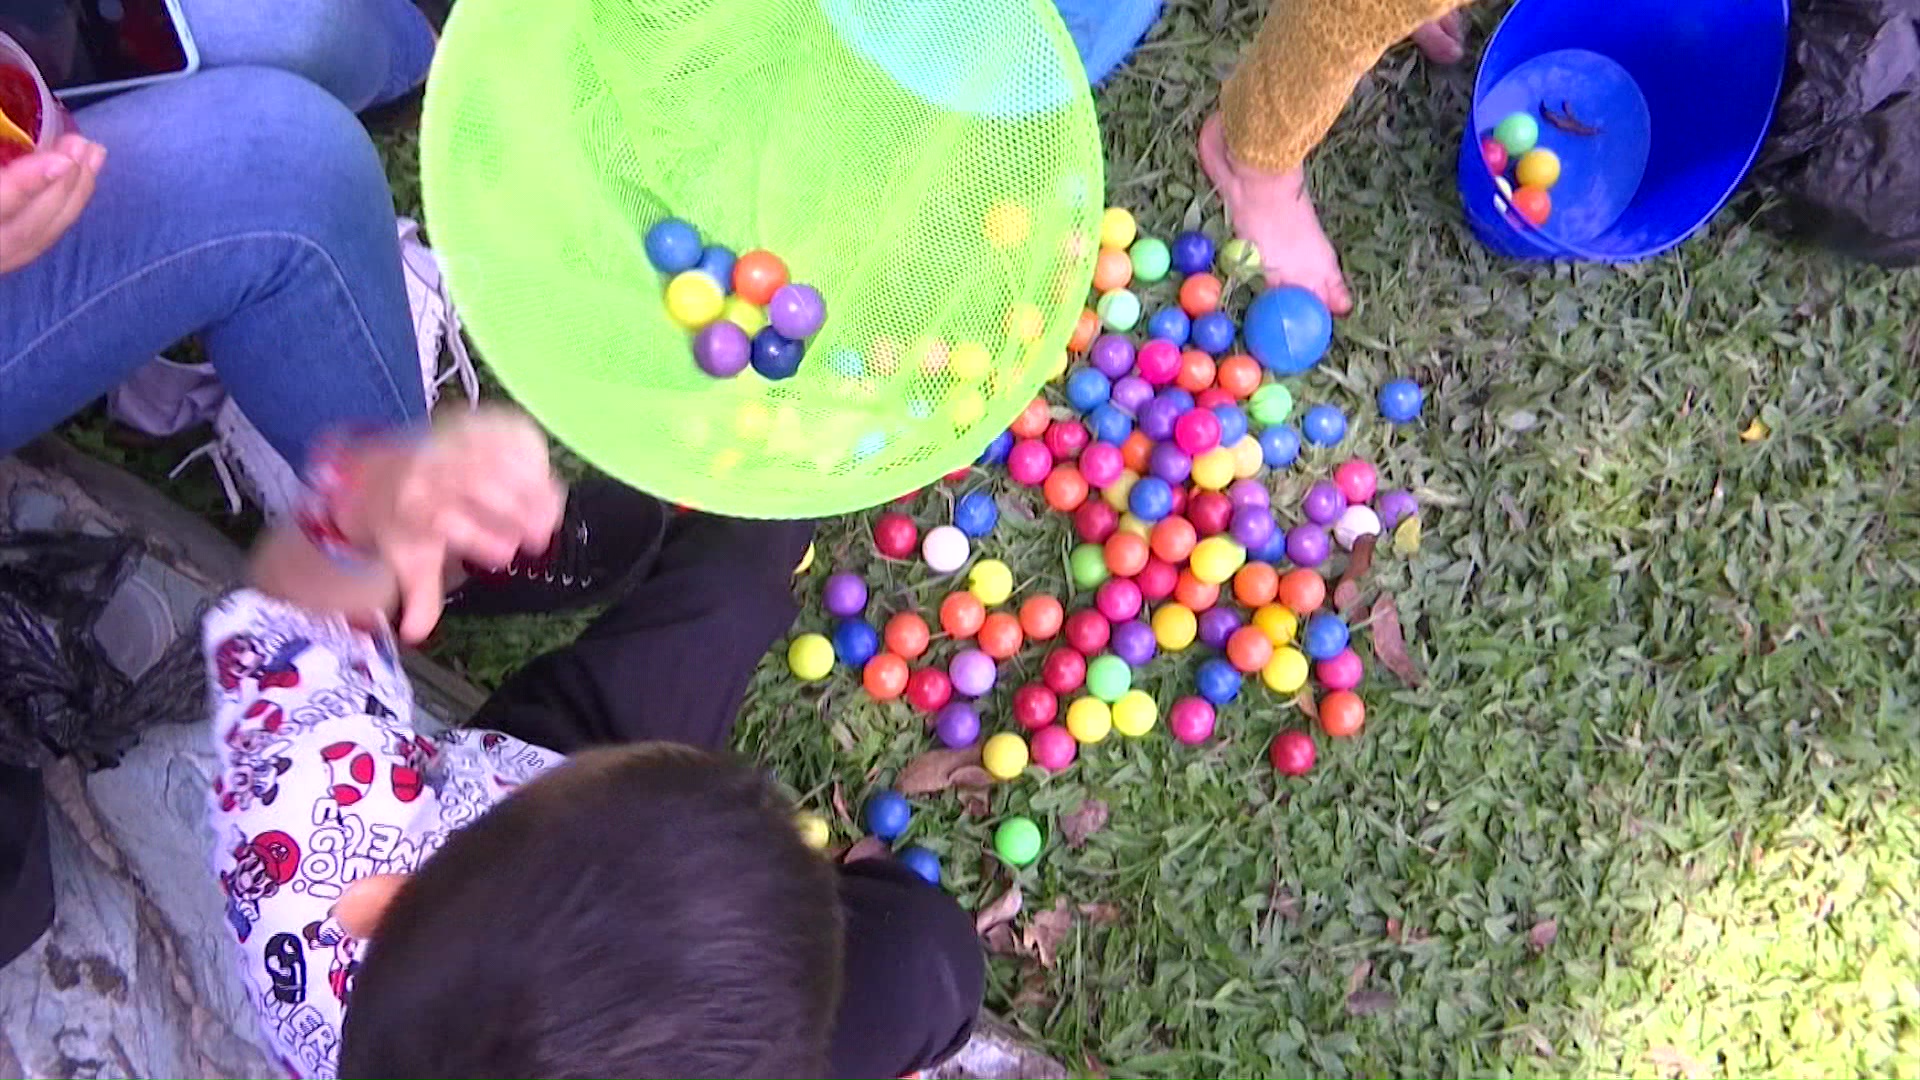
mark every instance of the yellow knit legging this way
{"type": "Point", "coordinates": [1302, 68]}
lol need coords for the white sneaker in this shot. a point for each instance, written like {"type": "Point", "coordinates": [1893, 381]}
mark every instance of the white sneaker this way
{"type": "Point", "coordinates": [248, 465]}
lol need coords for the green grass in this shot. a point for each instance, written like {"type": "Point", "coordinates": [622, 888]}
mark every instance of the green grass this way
{"type": "Point", "coordinates": [1649, 814]}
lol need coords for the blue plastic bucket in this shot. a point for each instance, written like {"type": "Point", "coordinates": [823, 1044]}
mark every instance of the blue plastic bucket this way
{"type": "Point", "coordinates": [1107, 30]}
{"type": "Point", "coordinates": [1681, 92]}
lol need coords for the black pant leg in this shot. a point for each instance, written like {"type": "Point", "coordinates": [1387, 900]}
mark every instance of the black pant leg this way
{"type": "Point", "coordinates": [26, 871]}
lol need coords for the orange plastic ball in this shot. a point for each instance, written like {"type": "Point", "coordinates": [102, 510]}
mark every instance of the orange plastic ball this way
{"type": "Point", "coordinates": [1112, 270]}
{"type": "Point", "coordinates": [1196, 371]}
{"type": "Point", "coordinates": [1341, 714]}
{"type": "Point", "coordinates": [1065, 488]}
{"type": "Point", "coordinates": [885, 677]}
{"type": "Point", "coordinates": [1085, 329]}
{"type": "Point", "coordinates": [1302, 591]}
{"type": "Point", "coordinates": [1256, 584]}
{"type": "Point", "coordinates": [1126, 554]}
{"type": "Point", "coordinates": [1173, 539]}
{"type": "Point", "coordinates": [1200, 294]}
{"type": "Point", "coordinates": [1135, 451]}
{"type": "Point", "coordinates": [1193, 594]}
{"type": "Point", "coordinates": [1534, 204]}
{"type": "Point", "coordinates": [1238, 375]}
{"type": "Point", "coordinates": [1248, 649]}
{"type": "Point", "coordinates": [907, 635]}
{"type": "Point", "coordinates": [961, 615]}
{"type": "Point", "coordinates": [757, 275]}
{"type": "Point", "coordinates": [1033, 420]}
{"type": "Point", "coordinates": [1041, 617]}
{"type": "Point", "coordinates": [1000, 635]}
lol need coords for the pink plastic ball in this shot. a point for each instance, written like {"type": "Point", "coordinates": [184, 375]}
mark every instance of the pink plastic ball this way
{"type": "Point", "coordinates": [1157, 579]}
{"type": "Point", "coordinates": [1341, 671]}
{"type": "Point", "coordinates": [1118, 599]}
{"type": "Point", "coordinates": [1066, 438]}
{"type": "Point", "coordinates": [1191, 720]}
{"type": "Point", "coordinates": [1210, 512]}
{"type": "Point", "coordinates": [1095, 521]}
{"type": "Point", "coordinates": [1053, 748]}
{"type": "Point", "coordinates": [1158, 361]}
{"type": "Point", "coordinates": [1029, 462]}
{"type": "Point", "coordinates": [1356, 480]}
{"type": "Point", "coordinates": [1102, 463]}
{"type": "Point", "coordinates": [1197, 431]}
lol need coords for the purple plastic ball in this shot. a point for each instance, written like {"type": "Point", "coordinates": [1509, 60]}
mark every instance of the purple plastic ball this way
{"type": "Point", "coordinates": [844, 594]}
{"type": "Point", "coordinates": [1169, 463]}
{"type": "Point", "coordinates": [1111, 355]}
{"type": "Point", "coordinates": [957, 724]}
{"type": "Point", "coordinates": [1157, 418]}
{"type": "Point", "coordinates": [1217, 624]}
{"type": "Point", "coordinates": [1129, 393]}
{"type": "Point", "coordinates": [722, 349]}
{"type": "Point", "coordinates": [1324, 504]}
{"type": "Point", "coordinates": [1132, 641]}
{"type": "Point", "coordinates": [1252, 526]}
{"type": "Point", "coordinates": [1249, 492]}
{"type": "Point", "coordinates": [797, 311]}
{"type": "Point", "coordinates": [1307, 545]}
{"type": "Point", "coordinates": [972, 673]}
{"type": "Point", "coordinates": [1395, 507]}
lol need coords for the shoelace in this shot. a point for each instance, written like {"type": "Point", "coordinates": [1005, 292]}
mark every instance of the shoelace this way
{"type": "Point", "coordinates": [565, 562]}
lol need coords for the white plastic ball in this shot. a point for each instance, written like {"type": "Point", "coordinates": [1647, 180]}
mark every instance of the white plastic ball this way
{"type": "Point", "coordinates": [945, 549]}
{"type": "Point", "coordinates": [1355, 522]}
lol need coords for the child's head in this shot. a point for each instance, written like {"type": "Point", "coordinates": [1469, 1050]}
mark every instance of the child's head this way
{"type": "Point", "coordinates": [642, 911]}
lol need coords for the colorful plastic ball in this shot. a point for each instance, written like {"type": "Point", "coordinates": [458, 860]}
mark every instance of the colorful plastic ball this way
{"type": "Point", "coordinates": [1087, 631]}
{"type": "Point", "coordinates": [1156, 579]}
{"type": "Point", "coordinates": [1239, 258]}
{"type": "Point", "coordinates": [1401, 400]}
{"type": "Point", "coordinates": [1087, 564]}
{"type": "Point", "coordinates": [1233, 424]}
{"type": "Point", "coordinates": [1539, 168]}
{"type": "Point", "coordinates": [1133, 454]}
{"type": "Point", "coordinates": [722, 349]}
{"type": "Point", "coordinates": [1093, 523]}
{"type": "Point", "coordinates": [1192, 253]}
{"type": "Point", "coordinates": [921, 861]}
{"type": "Point", "coordinates": [1158, 362]}
{"type": "Point", "coordinates": [810, 657]}
{"type": "Point", "coordinates": [1355, 523]}
{"type": "Point", "coordinates": [1217, 624]}
{"type": "Point", "coordinates": [929, 689]}
{"type": "Point", "coordinates": [1324, 636]}
{"type": "Point", "coordinates": [1063, 670]}
{"type": "Point", "coordinates": [1239, 376]}
{"type": "Point", "coordinates": [1247, 492]}
{"type": "Point", "coordinates": [1118, 599]}
{"type": "Point", "coordinates": [945, 549]}
{"type": "Point", "coordinates": [1112, 270]}
{"type": "Point", "coordinates": [752, 319]}
{"type": "Point", "coordinates": [776, 356]}
{"type": "Point", "coordinates": [1302, 591]}
{"type": "Point", "coordinates": [1255, 585]}
{"type": "Point", "coordinates": [1174, 627]}
{"type": "Point", "coordinates": [1249, 650]}
{"type": "Point", "coordinates": [1065, 489]}
{"type": "Point", "coordinates": [907, 634]}
{"type": "Point", "coordinates": [1216, 558]}
{"type": "Point", "coordinates": [1134, 713]}
{"type": "Point", "coordinates": [1035, 706]}
{"type": "Point", "coordinates": [888, 815]}
{"type": "Point", "coordinates": [1119, 310]}
{"type": "Point", "coordinates": [1210, 512]}
{"type": "Point", "coordinates": [1193, 594]}
{"type": "Point", "coordinates": [1357, 480]}
{"type": "Point", "coordinates": [1170, 465]}
{"type": "Point", "coordinates": [1493, 155]}
{"type": "Point", "coordinates": [694, 299]}
{"type": "Point", "coordinates": [1213, 470]}
{"type": "Point", "coordinates": [1273, 551]}
{"type": "Point", "coordinates": [673, 246]}
{"type": "Point", "coordinates": [1132, 641]}
{"type": "Point", "coordinates": [1277, 622]}
{"type": "Point", "coordinates": [1197, 431]}
{"type": "Point", "coordinates": [1199, 294]}
{"type": "Point", "coordinates": [1101, 464]}
{"type": "Point", "coordinates": [1286, 673]}
{"type": "Point", "coordinates": [1126, 553]}
{"type": "Point", "coordinates": [1087, 388]}
{"type": "Point", "coordinates": [1270, 405]}
{"type": "Point", "coordinates": [1287, 329]}
{"type": "Point", "coordinates": [1018, 841]}
{"type": "Point", "coordinates": [1533, 204]}
{"type": "Point", "coordinates": [855, 642]}
{"type": "Point", "coordinates": [1000, 635]}
{"type": "Point", "coordinates": [1323, 503]}
{"type": "Point", "coordinates": [895, 535]}
{"type": "Point", "coordinates": [975, 513]}
{"type": "Point", "coordinates": [1054, 748]}
{"type": "Point", "coordinates": [1150, 259]}
{"type": "Point", "coordinates": [1108, 677]}
{"type": "Point", "coordinates": [797, 311]}
{"type": "Point", "coordinates": [997, 450]}
{"type": "Point", "coordinates": [1172, 539]}
{"type": "Point", "coordinates": [1397, 506]}
{"type": "Point", "coordinates": [1196, 371]}
{"type": "Point", "coordinates": [1342, 713]}
{"type": "Point", "coordinates": [1151, 498]}
{"type": "Point", "coordinates": [1279, 446]}
{"type": "Point", "coordinates": [1518, 132]}
{"type": "Point", "coordinates": [1029, 462]}
{"type": "Point", "coordinates": [1170, 324]}
{"type": "Point", "coordinates": [1109, 424]}
{"type": "Point", "coordinates": [1117, 228]}
{"type": "Point", "coordinates": [1089, 720]}
{"type": "Point", "coordinates": [813, 829]}
{"type": "Point", "coordinates": [972, 673]}
{"type": "Point", "coordinates": [1130, 392]}
{"type": "Point", "coordinates": [1213, 332]}
{"type": "Point", "coordinates": [1004, 755]}
{"type": "Point", "coordinates": [1342, 671]}
{"type": "Point", "coordinates": [990, 581]}
{"type": "Point", "coordinates": [1252, 526]}
{"type": "Point", "coordinates": [957, 725]}
{"type": "Point", "coordinates": [1307, 545]}
{"type": "Point", "coordinates": [1065, 439]}
{"type": "Point", "coordinates": [1111, 355]}
{"type": "Point", "coordinates": [1323, 425]}
{"type": "Point", "coordinates": [1293, 753]}
{"type": "Point", "coordinates": [844, 594]}
{"type": "Point", "coordinates": [1218, 681]}
{"type": "Point", "coordinates": [1191, 720]}
{"type": "Point", "coordinates": [758, 275]}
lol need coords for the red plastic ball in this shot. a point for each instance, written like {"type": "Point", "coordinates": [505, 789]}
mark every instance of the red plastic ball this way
{"type": "Point", "coordinates": [1196, 371]}
{"type": "Point", "coordinates": [1136, 450]}
{"type": "Point", "coordinates": [1342, 713]}
{"type": "Point", "coordinates": [1066, 438]}
{"type": "Point", "coordinates": [1095, 521]}
{"type": "Point", "coordinates": [1032, 421]}
{"type": "Point", "coordinates": [1197, 431]}
{"type": "Point", "coordinates": [895, 536]}
{"type": "Point", "coordinates": [1239, 375]}
{"type": "Point", "coordinates": [961, 614]}
{"type": "Point", "coordinates": [1341, 671]}
{"type": "Point", "coordinates": [1158, 361]}
{"type": "Point", "coordinates": [1178, 505]}
{"type": "Point", "coordinates": [1126, 553]}
{"type": "Point", "coordinates": [1065, 489]}
{"type": "Point", "coordinates": [1193, 594]}
{"type": "Point", "coordinates": [1356, 480]}
{"type": "Point", "coordinates": [1191, 720]}
{"type": "Point", "coordinates": [1041, 617]}
{"type": "Point", "coordinates": [1053, 748]}
{"type": "Point", "coordinates": [928, 689]}
{"type": "Point", "coordinates": [1494, 153]}
{"type": "Point", "coordinates": [908, 635]}
{"type": "Point", "coordinates": [1156, 580]}
{"type": "Point", "coordinates": [1063, 670]}
{"type": "Point", "coordinates": [1292, 753]}
{"type": "Point", "coordinates": [1118, 599]}
{"type": "Point", "coordinates": [1210, 512]}
{"type": "Point", "coordinates": [757, 275]}
{"type": "Point", "coordinates": [1199, 294]}
{"type": "Point", "coordinates": [1029, 462]}
{"type": "Point", "coordinates": [1534, 204]}
{"type": "Point", "coordinates": [885, 677]}
{"type": "Point", "coordinates": [1087, 631]}
{"type": "Point", "coordinates": [1085, 329]}
{"type": "Point", "coordinates": [1173, 538]}
{"type": "Point", "coordinates": [1302, 591]}
{"type": "Point", "coordinates": [1035, 706]}
{"type": "Point", "coordinates": [1208, 398]}
{"type": "Point", "coordinates": [1000, 635]}
{"type": "Point", "coordinates": [1248, 649]}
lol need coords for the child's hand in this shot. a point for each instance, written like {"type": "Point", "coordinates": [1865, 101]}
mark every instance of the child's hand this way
{"type": "Point", "coordinates": [480, 490]}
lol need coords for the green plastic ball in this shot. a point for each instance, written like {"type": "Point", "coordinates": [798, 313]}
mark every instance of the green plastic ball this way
{"type": "Point", "coordinates": [1271, 404]}
{"type": "Point", "coordinates": [1518, 133]}
{"type": "Point", "coordinates": [1108, 677]}
{"type": "Point", "coordinates": [1119, 310]}
{"type": "Point", "coordinates": [1239, 258]}
{"type": "Point", "coordinates": [1017, 841]}
{"type": "Point", "coordinates": [1088, 564]}
{"type": "Point", "coordinates": [1151, 259]}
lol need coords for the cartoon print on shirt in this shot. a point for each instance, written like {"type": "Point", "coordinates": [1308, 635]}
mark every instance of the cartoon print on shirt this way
{"type": "Point", "coordinates": [343, 954]}
{"type": "Point", "coordinates": [261, 865]}
{"type": "Point", "coordinates": [266, 662]}
{"type": "Point", "coordinates": [257, 761]}
{"type": "Point", "coordinates": [349, 770]}
{"type": "Point", "coordinates": [286, 966]}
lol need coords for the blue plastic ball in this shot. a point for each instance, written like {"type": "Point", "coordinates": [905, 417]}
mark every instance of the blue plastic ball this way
{"type": "Point", "coordinates": [855, 642]}
{"type": "Point", "coordinates": [1180, 398]}
{"type": "Point", "coordinates": [1323, 425]}
{"type": "Point", "coordinates": [1150, 499]}
{"type": "Point", "coordinates": [775, 356]}
{"type": "Point", "coordinates": [1170, 324]}
{"type": "Point", "coordinates": [888, 815]}
{"type": "Point", "coordinates": [1280, 446]}
{"type": "Point", "coordinates": [1233, 424]}
{"type": "Point", "coordinates": [1087, 388]}
{"type": "Point", "coordinates": [1213, 332]}
{"type": "Point", "coordinates": [975, 513]}
{"type": "Point", "coordinates": [997, 450]}
{"type": "Point", "coordinates": [1325, 637]}
{"type": "Point", "coordinates": [1401, 401]}
{"type": "Point", "coordinates": [673, 246]}
{"type": "Point", "coordinates": [1192, 253]}
{"type": "Point", "coordinates": [1273, 551]}
{"type": "Point", "coordinates": [717, 263]}
{"type": "Point", "coordinates": [1287, 329]}
{"type": "Point", "coordinates": [1218, 681]}
{"type": "Point", "coordinates": [920, 861]}
{"type": "Point", "coordinates": [1109, 423]}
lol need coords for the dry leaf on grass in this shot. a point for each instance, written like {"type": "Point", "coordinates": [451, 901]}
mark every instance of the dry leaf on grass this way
{"type": "Point", "coordinates": [1542, 934]}
{"type": "Point", "coordinates": [1001, 940]}
{"type": "Point", "coordinates": [1345, 595]}
{"type": "Point", "coordinates": [1388, 646]}
{"type": "Point", "coordinates": [1307, 703]}
{"type": "Point", "coordinates": [1100, 914]}
{"type": "Point", "coordinates": [1045, 931]}
{"type": "Point", "coordinates": [840, 803]}
{"type": "Point", "coordinates": [867, 847]}
{"type": "Point", "coordinates": [1347, 589]}
{"type": "Point", "coordinates": [1357, 978]}
{"type": "Point", "coordinates": [1089, 818]}
{"type": "Point", "coordinates": [1369, 1002]}
{"type": "Point", "coordinates": [937, 770]}
{"type": "Point", "coordinates": [1033, 993]}
{"type": "Point", "coordinates": [975, 804]}
{"type": "Point", "coordinates": [1000, 912]}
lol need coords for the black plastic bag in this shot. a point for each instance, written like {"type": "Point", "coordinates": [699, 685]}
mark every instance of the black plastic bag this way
{"type": "Point", "coordinates": [1844, 152]}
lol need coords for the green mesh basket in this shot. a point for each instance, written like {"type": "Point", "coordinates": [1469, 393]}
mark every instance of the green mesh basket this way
{"type": "Point", "coordinates": [932, 167]}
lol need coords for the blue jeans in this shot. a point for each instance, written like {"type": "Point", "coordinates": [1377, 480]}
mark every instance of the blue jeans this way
{"type": "Point", "coordinates": [244, 204]}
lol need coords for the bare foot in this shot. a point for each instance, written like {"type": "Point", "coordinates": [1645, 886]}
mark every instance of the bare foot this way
{"type": "Point", "coordinates": [1273, 211]}
{"type": "Point", "coordinates": [1444, 40]}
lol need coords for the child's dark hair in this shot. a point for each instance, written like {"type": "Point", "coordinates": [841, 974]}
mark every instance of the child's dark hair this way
{"type": "Point", "coordinates": [647, 911]}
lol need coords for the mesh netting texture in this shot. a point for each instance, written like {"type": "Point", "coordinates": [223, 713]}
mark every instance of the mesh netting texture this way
{"type": "Point", "coordinates": [933, 168]}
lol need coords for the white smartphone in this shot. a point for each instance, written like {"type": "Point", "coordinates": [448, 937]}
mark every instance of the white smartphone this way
{"type": "Point", "coordinates": [88, 48]}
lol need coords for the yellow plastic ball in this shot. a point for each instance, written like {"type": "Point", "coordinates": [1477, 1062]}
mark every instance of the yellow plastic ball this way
{"type": "Point", "coordinates": [1088, 720]}
{"type": "Point", "coordinates": [1116, 493]}
{"type": "Point", "coordinates": [814, 830]}
{"type": "Point", "coordinates": [1135, 713]}
{"type": "Point", "coordinates": [1004, 755]}
{"type": "Point", "coordinates": [1025, 322]}
{"type": "Point", "coordinates": [1059, 367]}
{"type": "Point", "coordinates": [806, 562]}
{"type": "Point", "coordinates": [1247, 459]}
{"type": "Point", "coordinates": [1117, 228]}
{"type": "Point", "coordinates": [694, 299]}
{"type": "Point", "coordinates": [1008, 224]}
{"type": "Point", "coordinates": [967, 408]}
{"type": "Point", "coordinates": [745, 314]}
{"type": "Point", "coordinates": [1132, 524]}
{"type": "Point", "coordinates": [1216, 559]}
{"type": "Point", "coordinates": [1286, 672]}
{"type": "Point", "coordinates": [1213, 470]}
{"type": "Point", "coordinates": [1174, 627]}
{"type": "Point", "coordinates": [1538, 168]}
{"type": "Point", "coordinates": [969, 361]}
{"type": "Point", "coordinates": [990, 582]}
{"type": "Point", "coordinates": [1278, 623]}
{"type": "Point", "coordinates": [811, 657]}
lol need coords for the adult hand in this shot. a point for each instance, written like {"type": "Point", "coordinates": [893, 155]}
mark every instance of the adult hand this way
{"type": "Point", "coordinates": [42, 194]}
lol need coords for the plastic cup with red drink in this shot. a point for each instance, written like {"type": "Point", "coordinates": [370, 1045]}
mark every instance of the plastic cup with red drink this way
{"type": "Point", "coordinates": [35, 119]}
